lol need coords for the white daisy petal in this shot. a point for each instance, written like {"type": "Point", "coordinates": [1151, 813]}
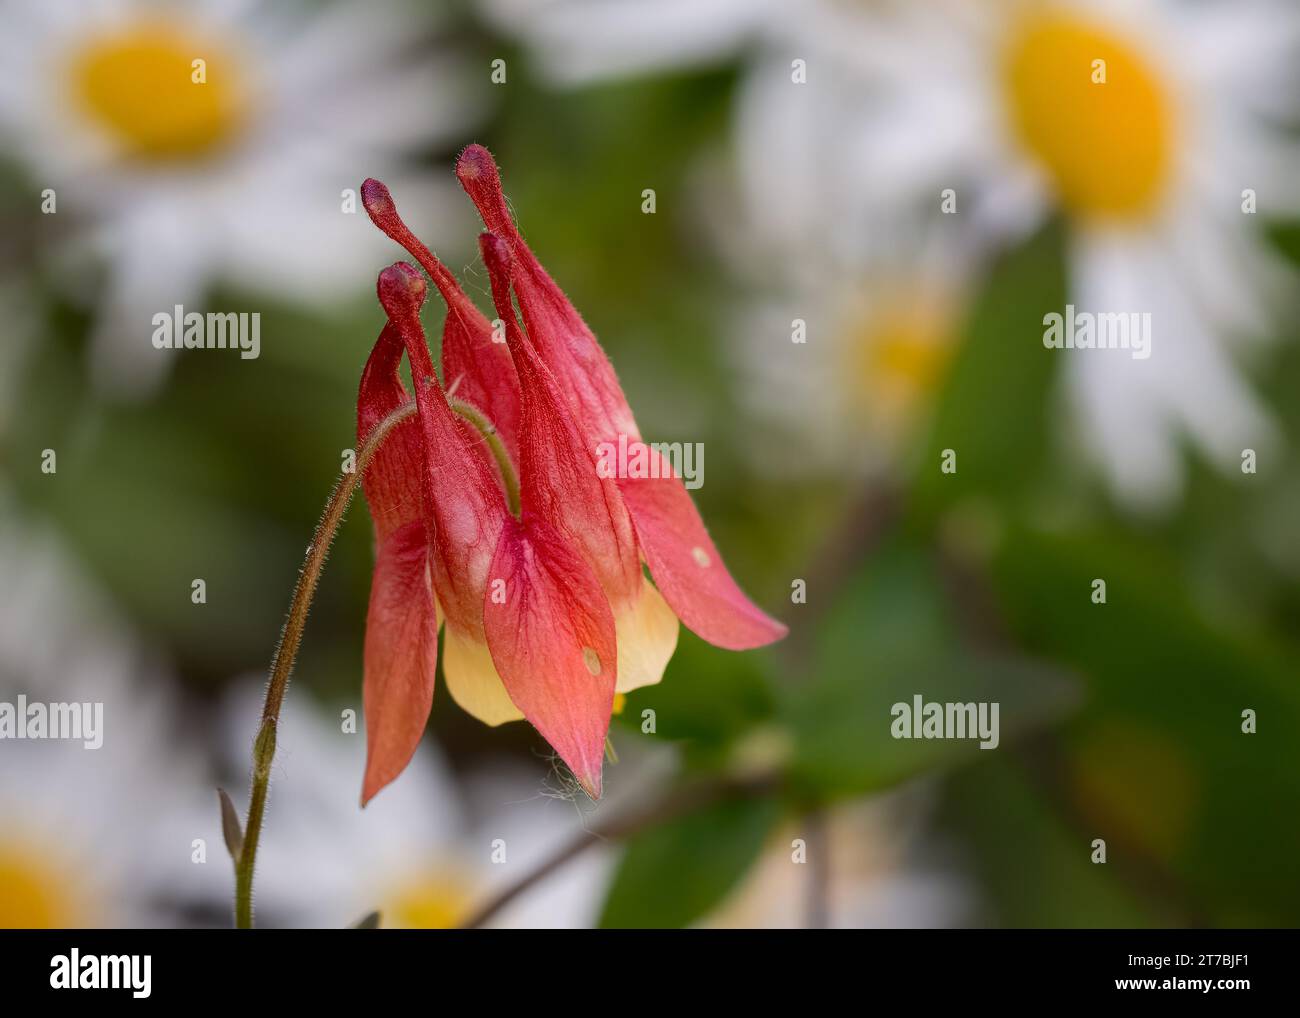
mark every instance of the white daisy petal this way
{"type": "Point", "coordinates": [578, 40]}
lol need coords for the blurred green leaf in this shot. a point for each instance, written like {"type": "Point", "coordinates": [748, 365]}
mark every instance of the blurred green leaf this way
{"type": "Point", "coordinates": [1036, 870]}
{"type": "Point", "coordinates": [992, 411]}
{"type": "Point", "coordinates": [844, 742]}
{"type": "Point", "coordinates": [1285, 237]}
{"type": "Point", "coordinates": [886, 641]}
{"type": "Point", "coordinates": [1158, 762]}
{"type": "Point", "coordinates": [675, 873]}
{"type": "Point", "coordinates": [194, 483]}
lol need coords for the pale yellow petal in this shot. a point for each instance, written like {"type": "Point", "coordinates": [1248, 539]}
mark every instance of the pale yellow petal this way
{"type": "Point", "coordinates": [473, 681]}
{"type": "Point", "coordinates": [647, 637]}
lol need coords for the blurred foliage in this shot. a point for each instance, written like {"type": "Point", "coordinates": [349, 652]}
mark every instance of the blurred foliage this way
{"type": "Point", "coordinates": [996, 402]}
{"type": "Point", "coordinates": [1158, 761]}
{"type": "Point", "coordinates": [691, 864]}
{"type": "Point", "coordinates": [888, 640]}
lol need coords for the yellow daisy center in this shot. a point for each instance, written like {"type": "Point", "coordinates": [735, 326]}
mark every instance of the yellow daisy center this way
{"type": "Point", "coordinates": [1092, 110]}
{"type": "Point", "coordinates": [159, 93]}
{"type": "Point", "coordinates": [898, 354]}
{"type": "Point", "coordinates": [34, 895]}
{"type": "Point", "coordinates": [429, 901]}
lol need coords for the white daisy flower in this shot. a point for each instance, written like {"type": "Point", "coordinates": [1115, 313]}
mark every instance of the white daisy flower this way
{"type": "Point", "coordinates": [424, 853]}
{"type": "Point", "coordinates": [853, 362]}
{"type": "Point", "coordinates": [1155, 164]}
{"type": "Point", "coordinates": [88, 836]}
{"type": "Point", "coordinates": [212, 140]}
{"type": "Point", "coordinates": [1141, 124]}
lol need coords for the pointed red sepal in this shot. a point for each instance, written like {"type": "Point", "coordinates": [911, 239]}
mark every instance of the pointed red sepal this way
{"type": "Point", "coordinates": [392, 481]}
{"type": "Point", "coordinates": [401, 656]}
{"type": "Point", "coordinates": [552, 641]}
{"type": "Point", "coordinates": [475, 366]}
{"type": "Point", "coordinates": [559, 481]}
{"type": "Point", "coordinates": [401, 627]}
{"type": "Point", "coordinates": [687, 568]}
{"type": "Point", "coordinates": [558, 332]}
{"type": "Point", "coordinates": [463, 499]}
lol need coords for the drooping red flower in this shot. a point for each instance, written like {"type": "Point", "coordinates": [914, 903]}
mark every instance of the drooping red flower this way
{"type": "Point", "coordinates": [513, 586]}
{"type": "Point", "coordinates": [544, 614]}
{"type": "Point", "coordinates": [685, 565]}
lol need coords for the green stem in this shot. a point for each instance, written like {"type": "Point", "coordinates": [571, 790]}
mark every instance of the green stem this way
{"type": "Point", "coordinates": [489, 432]}
{"type": "Point", "coordinates": [287, 652]}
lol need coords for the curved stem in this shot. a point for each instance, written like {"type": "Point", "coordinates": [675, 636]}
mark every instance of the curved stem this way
{"type": "Point", "coordinates": [489, 432]}
{"type": "Point", "coordinates": [287, 652]}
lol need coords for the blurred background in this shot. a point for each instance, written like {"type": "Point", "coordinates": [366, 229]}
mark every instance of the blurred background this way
{"type": "Point", "coordinates": [818, 237]}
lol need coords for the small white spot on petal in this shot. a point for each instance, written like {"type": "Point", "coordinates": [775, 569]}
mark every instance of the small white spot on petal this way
{"type": "Point", "coordinates": [701, 557]}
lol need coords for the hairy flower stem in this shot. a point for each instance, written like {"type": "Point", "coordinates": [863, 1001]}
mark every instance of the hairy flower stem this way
{"type": "Point", "coordinates": [287, 652]}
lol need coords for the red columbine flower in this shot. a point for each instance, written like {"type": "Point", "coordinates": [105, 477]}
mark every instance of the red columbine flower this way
{"type": "Point", "coordinates": [519, 601]}
{"type": "Point", "coordinates": [545, 613]}
{"type": "Point", "coordinates": [670, 534]}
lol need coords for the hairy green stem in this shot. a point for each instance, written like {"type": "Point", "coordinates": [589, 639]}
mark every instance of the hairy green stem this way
{"type": "Point", "coordinates": [287, 652]}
